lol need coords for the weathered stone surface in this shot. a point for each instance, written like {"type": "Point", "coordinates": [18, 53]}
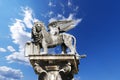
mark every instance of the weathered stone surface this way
{"type": "Point", "coordinates": [47, 39]}
{"type": "Point", "coordinates": [58, 65]}
{"type": "Point", "coordinates": [53, 61]}
{"type": "Point", "coordinates": [31, 49]}
{"type": "Point", "coordinates": [47, 66]}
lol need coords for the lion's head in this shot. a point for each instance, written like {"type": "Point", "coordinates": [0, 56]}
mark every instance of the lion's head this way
{"type": "Point", "coordinates": [39, 25]}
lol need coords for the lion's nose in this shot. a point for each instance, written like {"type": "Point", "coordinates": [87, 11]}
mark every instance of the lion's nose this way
{"type": "Point", "coordinates": [55, 33]}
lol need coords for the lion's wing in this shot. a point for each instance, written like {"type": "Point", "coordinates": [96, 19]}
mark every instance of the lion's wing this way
{"type": "Point", "coordinates": [63, 25]}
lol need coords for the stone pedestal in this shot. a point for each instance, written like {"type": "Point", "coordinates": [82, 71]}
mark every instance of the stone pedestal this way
{"type": "Point", "coordinates": [31, 49]}
{"type": "Point", "coordinates": [55, 66]}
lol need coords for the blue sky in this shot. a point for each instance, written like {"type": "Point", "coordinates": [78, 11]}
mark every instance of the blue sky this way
{"type": "Point", "coordinates": [98, 35]}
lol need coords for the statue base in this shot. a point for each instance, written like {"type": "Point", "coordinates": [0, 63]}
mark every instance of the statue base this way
{"type": "Point", "coordinates": [55, 66]}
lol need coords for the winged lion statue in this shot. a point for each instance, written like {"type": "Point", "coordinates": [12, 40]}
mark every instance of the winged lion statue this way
{"type": "Point", "coordinates": [55, 35]}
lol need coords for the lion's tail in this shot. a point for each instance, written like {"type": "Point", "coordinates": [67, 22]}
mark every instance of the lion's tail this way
{"type": "Point", "coordinates": [74, 40]}
{"type": "Point", "coordinates": [74, 43]}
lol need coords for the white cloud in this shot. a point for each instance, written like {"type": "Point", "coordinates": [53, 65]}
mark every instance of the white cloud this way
{"type": "Point", "coordinates": [20, 36]}
{"type": "Point", "coordinates": [18, 33]}
{"type": "Point", "coordinates": [76, 8]}
{"type": "Point", "coordinates": [51, 12]}
{"type": "Point", "coordinates": [60, 16]}
{"type": "Point", "coordinates": [17, 57]}
{"type": "Point", "coordinates": [69, 3]}
{"type": "Point", "coordinates": [2, 50]}
{"type": "Point", "coordinates": [51, 4]}
{"type": "Point", "coordinates": [28, 17]}
{"type": "Point", "coordinates": [10, 48]}
{"type": "Point", "coordinates": [63, 8]}
{"type": "Point", "coordinates": [77, 78]}
{"type": "Point", "coordinates": [7, 73]}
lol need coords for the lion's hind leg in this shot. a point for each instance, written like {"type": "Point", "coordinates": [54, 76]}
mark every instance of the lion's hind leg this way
{"type": "Point", "coordinates": [68, 42]}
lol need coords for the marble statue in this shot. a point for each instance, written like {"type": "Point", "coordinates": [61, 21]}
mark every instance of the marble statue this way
{"type": "Point", "coordinates": [53, 66]}
{"type": "Point", "coordinates": [55, 36]}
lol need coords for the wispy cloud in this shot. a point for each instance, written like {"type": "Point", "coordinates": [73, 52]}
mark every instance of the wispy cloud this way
{"type": "Point", "coordinates": [2, 50]}
{"type": "Point", "coordinates": [17, 57]}
{"type": "Point", "coordinates": [62, 16]}
{"type": "Point", "coordinates": [77, 78]}
{"type": "Point", "coordinates": [51, 4]}
{"type": "Point", "coordinates": [50, 13]}
{"type": "Point", "coordinates": [7, 73]}
{"type": "Point", "coordinates": [73, 7]}
{"type": "Point", "coordinates": [69, 3]}
{"type": "Point", "coordinates": [76, 8]}
{"type": "Point", "coordinates": [63, 7]}
{"type": "Point", "coordinates": [28, 17]}
{"type": "Point", "coordinates": [10, 48]}
{"type": "Point", "coordinates": [20, 35]}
